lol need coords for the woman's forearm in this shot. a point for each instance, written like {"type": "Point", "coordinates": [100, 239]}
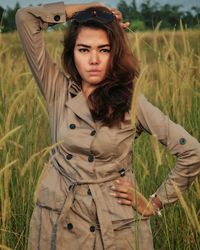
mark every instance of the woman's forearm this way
{"type": "Point", "coordinates": [30, 22]}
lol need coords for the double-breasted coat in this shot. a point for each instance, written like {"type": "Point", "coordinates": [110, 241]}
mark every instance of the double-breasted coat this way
{"type": "Point", "coordinates": [74, 209]}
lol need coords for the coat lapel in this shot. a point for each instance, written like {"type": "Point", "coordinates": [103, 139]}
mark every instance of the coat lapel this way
{"type": "Point", "coordinates": [78, 104]}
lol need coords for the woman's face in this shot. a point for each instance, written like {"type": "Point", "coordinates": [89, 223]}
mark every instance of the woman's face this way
{"type": "Point", "coordinates": [92, 55]}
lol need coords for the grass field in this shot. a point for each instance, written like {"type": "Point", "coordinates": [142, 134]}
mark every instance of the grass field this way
{"type": "Point", "coordinates": [170, 78]}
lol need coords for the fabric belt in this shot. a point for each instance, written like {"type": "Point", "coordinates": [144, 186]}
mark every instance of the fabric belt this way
{"type": "Point", "coordinates": [104, 217]}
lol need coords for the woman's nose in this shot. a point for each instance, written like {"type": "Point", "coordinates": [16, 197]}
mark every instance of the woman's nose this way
{"type": "Point", "coordinates": [94, 57]}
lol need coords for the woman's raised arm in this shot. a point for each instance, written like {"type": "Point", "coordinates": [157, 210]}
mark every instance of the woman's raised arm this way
{"type": "Point", "coordinates": [30, 22]}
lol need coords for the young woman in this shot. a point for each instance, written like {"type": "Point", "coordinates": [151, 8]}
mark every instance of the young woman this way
{"type": "Point", "coordinates": [87, 197]}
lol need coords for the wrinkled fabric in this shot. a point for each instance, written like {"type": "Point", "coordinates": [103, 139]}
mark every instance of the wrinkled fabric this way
{"type": "Point", "coordinates": [73, 209]}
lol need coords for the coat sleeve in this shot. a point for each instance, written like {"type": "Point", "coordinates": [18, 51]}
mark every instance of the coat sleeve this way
{"type": "Point", "coordinates": [30, 22]}
{"type": "Point", "coordinates": [179, 143]}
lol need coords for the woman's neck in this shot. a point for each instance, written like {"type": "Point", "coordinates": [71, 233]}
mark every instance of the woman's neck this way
{"type": "Point", "coordinates": [87, 89]}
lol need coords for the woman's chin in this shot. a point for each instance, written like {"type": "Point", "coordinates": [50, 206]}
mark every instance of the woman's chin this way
{"type": "Point", "coordinates": [94, 80]}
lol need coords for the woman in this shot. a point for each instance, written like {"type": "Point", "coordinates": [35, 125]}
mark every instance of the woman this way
{"type": "Point", "coordinates": [87, 197]}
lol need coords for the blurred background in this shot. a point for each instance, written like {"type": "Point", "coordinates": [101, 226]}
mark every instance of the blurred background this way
{"type": "Point", "coordinates": [166, 42]}
{"type": "Point", "coordinates": [143, 14]}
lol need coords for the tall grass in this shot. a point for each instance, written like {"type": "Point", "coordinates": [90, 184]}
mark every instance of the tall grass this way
{"type": "Point", "coordinates": [170, 79]}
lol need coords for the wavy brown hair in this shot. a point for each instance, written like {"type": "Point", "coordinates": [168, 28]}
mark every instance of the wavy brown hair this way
{"type": "Point", "coordinates": [112, 97]}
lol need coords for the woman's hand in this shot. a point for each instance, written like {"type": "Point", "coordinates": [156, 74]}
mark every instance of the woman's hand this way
{"type": "Point", "coordinates": [124, 191]}
{"type": "Point", "coordinates": [119, 17]}
{"type": "Point", "coordinates": [127, 194]}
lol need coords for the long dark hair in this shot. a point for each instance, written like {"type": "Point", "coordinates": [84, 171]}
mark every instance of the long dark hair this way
{"type": "Point", "coordinates": [112, 97]}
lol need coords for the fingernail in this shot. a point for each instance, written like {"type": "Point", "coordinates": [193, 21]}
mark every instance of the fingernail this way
{"type": "Point", "coordinates": [113, 194]}
{"type": "Point", "coordinates": [113, 187]}
{"type": "Point", "coordinates": [117, 181]}
{"type": "Point", "coordinates": [119, 201]}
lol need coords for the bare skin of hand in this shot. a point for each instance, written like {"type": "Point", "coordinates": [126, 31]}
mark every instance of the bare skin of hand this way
{"type": "Point", "coordinates": [119, 17]}
{"type": "Point", "coordinates": [127, 194]}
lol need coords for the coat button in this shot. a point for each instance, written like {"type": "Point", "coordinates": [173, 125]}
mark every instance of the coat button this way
{"type": "Point", "coordinates": [182, 141]}
{"type": "Point", "coordinates": [93, 132]}
{"type": "Point", "coordinates": [122, 172]}
{"type": "Point", "coordinates": [57, 18]}
{"type": "Point", "coordinates": [69, 156]}
{"type": "Point", "coordinates": [72, 126]}
{"type": "Point", "coordinates": [89, 192]}
{"type": "Point", "coordinates": [91, 158]}
{"type": "Point", "coordinates": [69, 226]}
{"type": "Point", "coordinates": [92, 228]}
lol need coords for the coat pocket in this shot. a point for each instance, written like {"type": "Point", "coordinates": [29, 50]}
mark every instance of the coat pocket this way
{"type": "Point", "coordinates": [52, 190]}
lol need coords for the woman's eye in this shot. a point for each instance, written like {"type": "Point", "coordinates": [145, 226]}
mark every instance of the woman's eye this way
{"type": "Point", "coordinates": [83, 50]}
{"type": "Point", "coordinates": [105, 50]}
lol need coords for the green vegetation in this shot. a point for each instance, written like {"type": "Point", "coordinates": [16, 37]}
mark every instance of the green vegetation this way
{"type": "Point", "coordinates": [150, 14]}
{"type": "Point", "coordinates": [146, 17]}
{"type": "Point", "coordinates": [170, 78]}
{"type": "Point", "coordinates": [7, 18]}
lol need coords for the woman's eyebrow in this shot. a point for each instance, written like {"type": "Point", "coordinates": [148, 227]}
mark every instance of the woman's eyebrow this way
{"type": "Point", "coordinates": [88, 46]}
{"type": "Point", "coordinates": [83, 45]}
{"type": "Point", "coordinates": [104, 45]}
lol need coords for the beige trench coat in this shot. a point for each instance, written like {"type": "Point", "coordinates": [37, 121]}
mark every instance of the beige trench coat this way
{"type": "Point", "coordinates": [74, 209]}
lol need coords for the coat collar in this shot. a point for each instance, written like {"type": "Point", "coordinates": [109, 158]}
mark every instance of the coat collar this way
{"type": "Point", "coordinates": [74, 88]}
{"type": "Point", "coordinates": [78, 103]}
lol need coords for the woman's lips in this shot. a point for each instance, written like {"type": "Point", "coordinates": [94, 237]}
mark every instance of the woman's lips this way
{"type": "Point", "coordinates": [94, 72]}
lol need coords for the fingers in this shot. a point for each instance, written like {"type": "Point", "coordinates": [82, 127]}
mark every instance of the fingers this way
{"type": "Point", "coordinates": [123, 191]}
{"type": "Point", "coordinates": [125, 25]}
{"type": "Point", "coordinates": [117, 13]}
{"type": "Point", "coordinates": [123, 183]}
{"type": "Point", "coordinates": [120, 195]}
{"type": "Point", "coordinates": [119, 17]}
{"type": "Point", "coordinates": [125, 202]}
{"type": "Point", "coordinates": [123, 198]}
{"type": "Point", "coordinates": [118, 188]}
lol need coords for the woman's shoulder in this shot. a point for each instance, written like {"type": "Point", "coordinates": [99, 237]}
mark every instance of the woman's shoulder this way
{"type": "Point", "coordinates": [147, 114]}
{"type": "Point", "coordinates": [142, 103]}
